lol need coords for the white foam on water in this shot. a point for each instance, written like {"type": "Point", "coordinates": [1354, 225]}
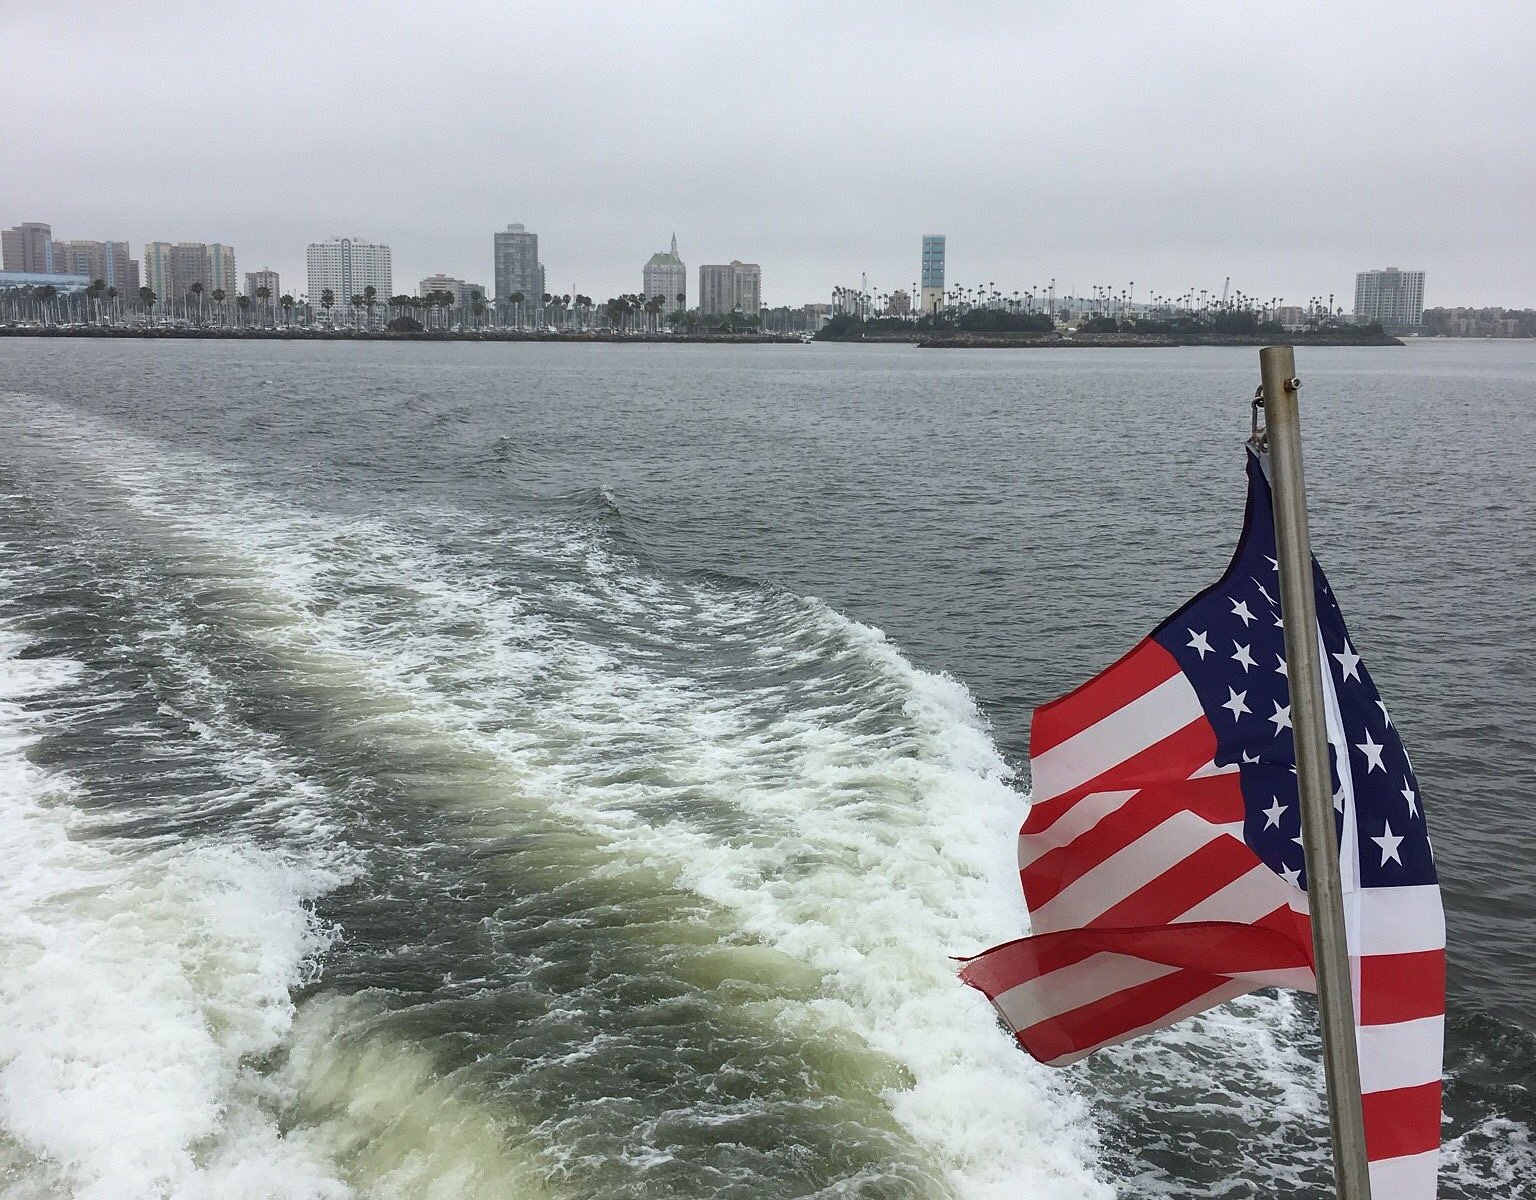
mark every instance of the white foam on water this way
{"type": "Point", "coordinates": [903, 838]}
{"type": "Point", "coordinates": [136, 986]}
{"type": "Point", "coordinates": [878, 858]}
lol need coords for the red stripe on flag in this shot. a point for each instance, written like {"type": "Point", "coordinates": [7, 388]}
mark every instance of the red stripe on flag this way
{"type": "Point", "coordinates": [1172, 760]}
{"type": "Point", "coordinates": [1178, 889]}
{"type": "Point", "coordinates": [1138, 672]}
{"type": "Point", "coordinates": [1216, 798]}
{"type": "Point", "coordinates": [1401, 987]}
{"type": "Point", "coordinates": [1402, 1121]}
{"type": "Point", "coordinates": [1114, 1016]}
{"type": "Point", "coordinates": [1214, 947]}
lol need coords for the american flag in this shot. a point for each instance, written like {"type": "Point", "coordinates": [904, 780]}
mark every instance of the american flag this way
{"type": "Point", "coordinates": [1162, 863]}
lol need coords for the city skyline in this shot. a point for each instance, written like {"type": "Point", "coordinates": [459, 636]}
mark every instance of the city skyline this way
{"type": "Point", "coordinates": [1173, 148]}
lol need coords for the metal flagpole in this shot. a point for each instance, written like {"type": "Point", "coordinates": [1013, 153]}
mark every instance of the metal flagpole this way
{"type": "Point", "coordinates": [1282, 425]}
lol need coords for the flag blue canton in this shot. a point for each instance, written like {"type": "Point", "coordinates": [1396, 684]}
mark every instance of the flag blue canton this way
{"type": "Point", "coordinates": [1230, 644]}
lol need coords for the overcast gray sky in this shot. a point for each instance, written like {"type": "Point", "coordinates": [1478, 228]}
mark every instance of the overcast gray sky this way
{"type": "Point", "coordinates": [1285, 145]}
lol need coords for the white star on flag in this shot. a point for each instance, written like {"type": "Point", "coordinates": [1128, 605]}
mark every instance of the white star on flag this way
{"type": "Point", "coordinates": [1413, 801]}
{"type": "Point", "coordinates": [1235, 703]}
{"type": "Point", "coordinates": [1282, 669]}
{"type": "Point", "coordinates": [1291, 875]}
{"type": "Point", "coordinates": [1388, 841]}
{"type": "Point", "coordinates": [1350, 662]}
{"type": "Point", "coordinates": [1372, 752]}
{"type": "Point", "coordinates": [1240, 610]}
{"type": "Point", "coordinates": [1273, 813]}
{"type": "Point", "coordinates": [1198, 643]}
{"type": "Point", "coordinates": [1281, 717]}
{"type": "Point", "coordinates": [1243, 658]}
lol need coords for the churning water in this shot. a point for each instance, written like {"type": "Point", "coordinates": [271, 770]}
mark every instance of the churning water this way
{"type": "Point", "coordinates": [542, 771]}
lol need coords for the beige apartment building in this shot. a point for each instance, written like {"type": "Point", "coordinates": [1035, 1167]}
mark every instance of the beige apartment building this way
{"type": "Point", "coordinates": [730, 287]}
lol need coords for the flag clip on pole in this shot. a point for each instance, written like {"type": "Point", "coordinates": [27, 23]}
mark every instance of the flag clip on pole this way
{"type": "Point", "coordinates": [1335, 1001]}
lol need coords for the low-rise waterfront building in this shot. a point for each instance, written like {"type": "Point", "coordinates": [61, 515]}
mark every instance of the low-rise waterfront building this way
{"type": "Point", "coordinates": [464, 293]}
{"type": "Point", "coordinates": [36, 279]}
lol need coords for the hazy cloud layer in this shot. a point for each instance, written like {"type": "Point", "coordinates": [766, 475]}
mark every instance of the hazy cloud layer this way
{"type": "Point", "coordinates": [1284, 145]}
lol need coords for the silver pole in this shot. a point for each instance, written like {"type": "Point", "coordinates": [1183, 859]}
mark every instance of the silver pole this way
{"type": "Point", "coordinates": [1330, 952]}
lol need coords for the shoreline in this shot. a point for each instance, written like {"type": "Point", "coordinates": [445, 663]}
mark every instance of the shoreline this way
{"type": "Point", "coordinates": [1131, 341]}
{"type": "Point", "coordinates": [951, 341]}
{"type": "Point", "coordinates": [379, 335]}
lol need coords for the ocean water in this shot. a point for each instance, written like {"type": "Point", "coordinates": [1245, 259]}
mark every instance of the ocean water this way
{"type": "Point", "coordinates": [543, 771]}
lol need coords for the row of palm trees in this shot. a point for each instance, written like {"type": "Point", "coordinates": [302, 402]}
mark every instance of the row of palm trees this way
{"type": "Point", "coordinates": [1103, 300]}
{"type": "Point", "coordinates": [99, 304]}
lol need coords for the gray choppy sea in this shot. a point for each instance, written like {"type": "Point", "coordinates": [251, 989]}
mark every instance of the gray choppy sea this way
{"type": "Point", "coordinates": [548, 771]}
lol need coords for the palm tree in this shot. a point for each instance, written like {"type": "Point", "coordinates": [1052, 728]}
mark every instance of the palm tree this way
{"type": "Point", "coordinates": [243, 303]}
{"type": "Point", "coordinates": [370, 298]}
{"type": "Point", "coordinates": [287, 303]}
{"type": "Point", "coordinates": [517, 299]}
{"type": "Point", "coordinates": [197, 290]}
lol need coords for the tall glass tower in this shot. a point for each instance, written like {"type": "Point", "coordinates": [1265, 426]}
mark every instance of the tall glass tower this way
{"type": "Point", "coordinates": [933, 272]}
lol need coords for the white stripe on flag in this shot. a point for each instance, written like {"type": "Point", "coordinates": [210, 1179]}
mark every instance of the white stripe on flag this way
{"type": "Point", "coordinates": [1252, 895]}
{"type": "Point", "coordinates": [1406, 1054]}
{"type": "Point", "coordinates": [1217, 995]}
{"type": "Point", "coordinates": [1073, 823]}
{"type": "Point", "coordinates": [1127, 731]}
{"type": "Point", "coordinates": [1128, 870]}
{"type": "Point", "coordinates": [1067, 988]}
{"type": "Point", "coordinates": [1395, 920]}
{"type": "Point", "coordinates": [1411, 1177]}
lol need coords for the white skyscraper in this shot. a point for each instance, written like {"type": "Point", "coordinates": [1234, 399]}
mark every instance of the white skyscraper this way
{"type": "Point", "coordinates": [347, 266]}
{"type": "Point", "coordinates": [1393, 297]}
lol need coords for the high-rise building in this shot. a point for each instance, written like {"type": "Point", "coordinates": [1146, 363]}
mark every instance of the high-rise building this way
{"type": "Point", "coordinates": [463, 293]}
{"type": "Point", "coordinates": [932, 295]}
{"type": "Point", "coordinates": [264, 278]}
{"type": "Point", "coordinates": [900, 304]}
{"type": "Point", "coordinates": [1393, 297]}
{"type": "Point", "coordinates": [159, 273]}
{"type": "Point", "coordinates": [221, 270]}
{"type": "Point", "coordinates": [109, 262]}
{"type": "Point", "coordinates": [27, 247]}
{"type": "Point", "coordinates": [666, 276]}
{"type": "Point", "coordinates": [730, 287]}
{"type": "Point", "coordinates": [189, 265]}
{"type": "Point", "coordinates": [348, 266]}
{"type": "Point", "coordinates": [517, 265]}
{"type": "Point", "coordinates": [170, 270]}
